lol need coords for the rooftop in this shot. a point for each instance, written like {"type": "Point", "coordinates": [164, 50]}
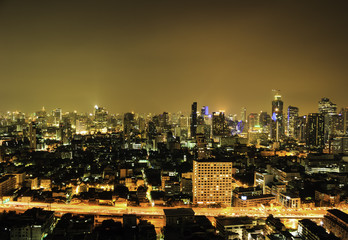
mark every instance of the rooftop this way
{"type": "Point", "coordinates": [339, 214]}
{"type": "Point", "coordinates": [178, 212]}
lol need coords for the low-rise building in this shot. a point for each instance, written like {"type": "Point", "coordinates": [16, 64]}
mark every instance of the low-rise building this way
{"type": "Point", "coordinates": [336, 222]}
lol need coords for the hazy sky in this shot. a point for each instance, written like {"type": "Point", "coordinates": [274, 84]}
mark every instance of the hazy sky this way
{"type": "Point", "coordinates": [155, 56]}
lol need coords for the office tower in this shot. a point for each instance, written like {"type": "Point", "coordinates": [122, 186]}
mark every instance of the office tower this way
{"type": "Point", "coordinates": [337, 125]}
{"type": "Point", "coordinates": [300, 128]}
{"type": "Point", "coordinates": [220, 127]}
{"type": "Point", "coordinates": [327, 109]}
{"type": "Point", "coordinates": [277, 126]}
{"type": "Point", "coordinates": [57, 114]}
{"type": "Point", "coordinates": [32, 135]}
{"type": "Point", "coordinates": [204, 111]}
{"type": "Point", "coordinates": [128, 125]}
{"type": "Point", "coordinates": [344, 113]}
{"type": "Point", "coordinates": [315, 130]}
{"type": "Point", "coordinates": [100, 118]}
{"type": "Point", "coordinates": [163, 121]}
{"type": "Point", "coordinates": [264, 121]}
{"type": "Point", "coordinates": [212, 182]}
{"type": "Point", "coordinates": [253, 120]}
{"type": "Point", "coordinates": [291, 121]}
{"type": "Point", "coordinates": [193, 126]}
{"type": "Point", "coordinates": [243, 114]}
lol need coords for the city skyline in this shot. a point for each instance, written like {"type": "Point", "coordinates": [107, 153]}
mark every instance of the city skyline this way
{"type": "Point", "coordinates": [148, 57]}
{"type": "Point", "coordinates": [183, 111]}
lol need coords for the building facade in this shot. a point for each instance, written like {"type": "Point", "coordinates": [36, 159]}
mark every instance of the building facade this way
{"type": "Point", "coordinates": [212, 182]}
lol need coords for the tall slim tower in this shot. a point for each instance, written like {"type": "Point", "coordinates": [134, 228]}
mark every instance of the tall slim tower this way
{"type": "Point", "coordinates": [193, 126]}
{"type": "Point", "coordinates": [32, 135]}
{"type": "Point", "coordinates": [315, 130]}
{"type": "Point", "coordinates": [291, 121]}
{"type": "Point", "coordinates": [344, 113]}
{"type": "Point", "coordinates": [243, 114]}
{"type": "Point", "coordinates": [277, 125]}
{"type": "Point", "coordinates": [328, 109]}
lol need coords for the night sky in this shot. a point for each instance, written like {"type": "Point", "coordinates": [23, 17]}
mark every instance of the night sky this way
{"type": "Point", "coordinates": [155, 56]}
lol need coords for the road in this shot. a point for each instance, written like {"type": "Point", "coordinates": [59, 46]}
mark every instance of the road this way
{"type": "Point", "coordinates": [158, 211]}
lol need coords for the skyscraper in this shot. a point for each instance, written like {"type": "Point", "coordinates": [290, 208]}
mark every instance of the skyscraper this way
{"type": "Point", "coordinates": [193, 126]}
{"type": "Point", "coordinates": [243, 114]}
{"type": "Point", "coordinates": [328, 109]}
{"type": "Point", "coordinates": [277, 126]}
{"type": "Point", "coordinates": [204, 111]}
{"type": "Point", "coordinates": [128, 125]}
{"type": "Point", "coordinates": [219, 124]}
{"type": "Point", "coordinates": [100, 118]}
{"type": "Point", "coordinates": [315, 130]}
{"type": "Point", "coordinates": [291, 121]}
{"type": "Point", "coordinates": [253, 120]}
{"type": "Point", "coordinates": [264, 121]}
{"type": "Point", "coordinates": [32, 135]}
{"type": "Point", "coordinates": [344, 113]}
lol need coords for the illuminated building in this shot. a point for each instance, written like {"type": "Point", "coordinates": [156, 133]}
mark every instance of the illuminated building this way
{"type": "Point", "coordinates": [264, 121]}
{"type": "Point", "coordinates": [243, 114]}
{"type": "Point", "coordinates": [128, 125]}
{"type": "Point", "coordinates": [289, 200]}
{"type": "Point", "coordinates": [344, 113]}
{"type": "Point", "coordinates": [262, 179]}
{"type": "Point", "coordinates": [219, 124]}
{"type": "Point", "coordinates": [250, 197]}
{"type": "Point", "coordinates": [277, 125]}
{"type": "Point", "coordinates": [57, 114]}
{"type": "Point", "coordinates": [7, 183]}
{"type": "Point", "coordinates": [300, 128]}
{"type": "Point", "coordinates": [328, 110]}
{"type": "Point", "coordinates": [204, 111]}
{"type": "Point", "coordinates": [212, 182]}
{"type": "Point", "coordinates": [193, 123]}
{"type": "Point", "coordinates": [315, 130]}
{"type": "Point", "coordinates": [100, 119]}
{"type": "Point", "coordinates": [32, 135]}
{"type": "Point", "coordinates": [337, 125]}
{"type": "Point", "coordinates": [253, 120]}
{"type": "Point", "coordinates": [339, 145]}
{"type": "Point", "coordinates": [291, 121]}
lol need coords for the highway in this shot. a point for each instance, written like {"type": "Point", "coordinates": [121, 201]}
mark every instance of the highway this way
{"type": "Point", "coordinates": [158, 211]}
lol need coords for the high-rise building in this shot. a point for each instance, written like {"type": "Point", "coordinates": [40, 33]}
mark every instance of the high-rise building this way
{"type": "Point", "coordinates": [344, 113]}
{"type": "Point", "coordinates": [204, 111]}
{"type": "Point", "coordinates": [315, 130]}
{"type": "Point", "coordinates": [291, 121]}
{"type": "Point", "coordinates": [327, 109]}
{"type": "Point", "coordinates": [32, 135]}
{"type": "Point", "coordinates": [212, 182]}
{"type": "Point", "coordinates": [100, 118]}
{"type": "Point", "coordinates": [243, 114]}
{"type": "Point", "coordinates": [193, 126]}
{"type": "Point", "coordinates": [277, 125]}
{"type": "Point", "coordinates": [253, 120]}
{"type": "Point", "coordinates": [264, 121]}
{"type": "Point", "coordinates": [300, 128]}
{"type": "Point", "coordinates": [128, 125]}
{"type": "Point", "coordinates": [57, 114]}
{"type": "Point", "coordinates": [219, 124]}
